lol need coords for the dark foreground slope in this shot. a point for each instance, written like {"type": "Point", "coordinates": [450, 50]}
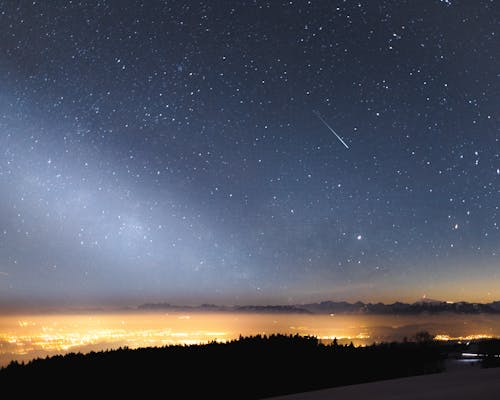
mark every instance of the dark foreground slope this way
{"type": "Point", "coordinates": [247, 368]}
{"type": "Point", "coordinates": [464, 383]}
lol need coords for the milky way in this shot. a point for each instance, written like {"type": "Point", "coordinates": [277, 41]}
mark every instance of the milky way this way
{"type": "Point", "coordinates": [167, 151]}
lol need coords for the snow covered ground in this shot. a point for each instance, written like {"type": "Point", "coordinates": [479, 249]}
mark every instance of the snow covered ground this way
{"type": "Point", "coordinates": [459, 382]}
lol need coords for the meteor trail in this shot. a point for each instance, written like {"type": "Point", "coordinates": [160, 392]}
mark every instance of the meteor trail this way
{"type": "Point", "coordinates": [329, 127]}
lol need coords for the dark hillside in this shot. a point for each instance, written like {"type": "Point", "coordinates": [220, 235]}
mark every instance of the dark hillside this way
{"type": "Point", "coordinates": [247, 368]}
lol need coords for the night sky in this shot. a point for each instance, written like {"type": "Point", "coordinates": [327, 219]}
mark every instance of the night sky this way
{"type": "Point", "coordinates": [184, 151]}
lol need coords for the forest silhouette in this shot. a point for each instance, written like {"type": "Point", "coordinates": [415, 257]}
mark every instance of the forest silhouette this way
{"type": "Point", "coordinates": [246, 368]}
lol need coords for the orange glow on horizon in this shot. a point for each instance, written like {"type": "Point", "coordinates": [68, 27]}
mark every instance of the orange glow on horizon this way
{"type": "Point", "coordinates": [26, 337]}
{"type": "Point", "coordinates": [477, 336]}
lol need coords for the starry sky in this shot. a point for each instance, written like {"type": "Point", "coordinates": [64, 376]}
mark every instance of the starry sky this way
{"type": "Point", "coordinates": [183, 151]}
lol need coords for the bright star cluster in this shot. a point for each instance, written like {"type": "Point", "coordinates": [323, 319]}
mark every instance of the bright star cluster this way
{"type": "Point", "coordinates": [172, 151]}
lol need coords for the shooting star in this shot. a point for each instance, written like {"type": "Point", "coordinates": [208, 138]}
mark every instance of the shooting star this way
{"type": "Point", "coordinates": [331, 129]}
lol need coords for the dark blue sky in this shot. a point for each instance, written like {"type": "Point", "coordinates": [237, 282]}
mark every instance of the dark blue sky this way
{"type": "Point", "coordinates": [169, 151]}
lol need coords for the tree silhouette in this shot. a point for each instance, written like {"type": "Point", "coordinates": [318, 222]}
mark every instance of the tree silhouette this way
{"type": "Point", "coordinates": [423, 337]}
{"type": "Point", "coordinates": [285, 364]}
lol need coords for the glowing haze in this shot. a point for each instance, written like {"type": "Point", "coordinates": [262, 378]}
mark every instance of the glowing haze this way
{"type": "Point", "coordinates": [168, 151]}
